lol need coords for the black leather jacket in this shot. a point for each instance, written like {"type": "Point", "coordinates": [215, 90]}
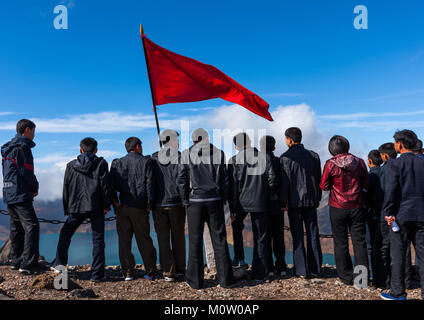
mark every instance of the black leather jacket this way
{"type": "Point", "coordinates": [202, 175]}
{"type": "Point", "coordinates": [253, 180]}
{"type": "Point", "coordinates": [132, 177]}
{"type": "Point", "coordinates": [300, 178]}
{"type": "Point", "coordinates": [86, 186]}
{"type": "Point", "coordinates": [165, 172]}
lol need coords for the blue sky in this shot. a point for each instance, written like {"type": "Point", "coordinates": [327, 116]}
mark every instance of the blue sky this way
{"type": "Point", "coordinates": [363, 84]}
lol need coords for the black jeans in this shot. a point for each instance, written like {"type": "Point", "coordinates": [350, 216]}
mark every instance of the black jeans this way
{"type": "Point", "coordinates": [399, 241]}
{"type": "Point", "coordinates": [212, 213]}
{"type": "Point", "coordinates": [276, 242]}
{"type": "Point", "coordinates": [24, 235]}
{"type": "Point", "coordinates": [260, 244]}
{"type": "Point", "coordinates": [238, 226]}
{"type": "Point", "coordinates": [72, 223]}
{"type": "Point", "coordinates": [341, 221]}
{"type": "Point", "coordinates": [310, 260]}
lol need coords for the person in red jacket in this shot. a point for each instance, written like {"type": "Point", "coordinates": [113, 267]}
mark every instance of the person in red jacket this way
{"type": "Point", "coordinates": [346, 177]}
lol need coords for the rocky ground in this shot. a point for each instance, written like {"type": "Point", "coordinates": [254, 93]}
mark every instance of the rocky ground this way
{"type": "Point", "coordinates": [40, 287]}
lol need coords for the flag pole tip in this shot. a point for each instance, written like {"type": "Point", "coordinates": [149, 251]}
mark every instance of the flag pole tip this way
{"type": "Point", "coordinates": [141, 30]}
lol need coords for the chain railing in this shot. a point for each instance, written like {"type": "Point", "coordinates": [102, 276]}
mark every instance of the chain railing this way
{"type": "Point", "coordinates": [113, 218]}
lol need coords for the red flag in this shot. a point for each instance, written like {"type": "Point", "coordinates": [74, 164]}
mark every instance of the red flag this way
{"type": "Point", "coordinates": [175, 78]}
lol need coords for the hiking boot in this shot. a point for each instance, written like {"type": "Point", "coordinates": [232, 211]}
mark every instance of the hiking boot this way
{"type": "Point", "coordinates": [388, 296]}
{"type": "Point", "coordinates": [25, 272]}
{"type": "Point", "coordinates": [151, 276]}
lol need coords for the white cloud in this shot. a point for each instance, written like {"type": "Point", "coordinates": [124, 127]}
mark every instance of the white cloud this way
{"type": "Point", "coordinates": [6, 113]}
{"type": "Point", "coordinates": [103, 122]}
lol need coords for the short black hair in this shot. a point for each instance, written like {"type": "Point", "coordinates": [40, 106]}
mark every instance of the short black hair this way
{"type": "Point", "coordinates": [168, 135]}
{"type": "Point", "coordinates": [375, 157]}
{"type": "Point", "coordinates": [131, 143]}
{"type": "Point", "coordinates": [88, 145]}
{"type": "Point", "coordinates": [407, 137]}
{"type": "Point", "coordinates": [23, 124]}
{"type": "Point", "coordinates": [268, 142]}
{"type": "Point", "coordinates": [199, 134]}
{"type": "Point", "coordinates": [241, 139]}
{"type": "Point", "coordinates": [338, 145]}
{"type": "Point", "coordinates": [419, 146]}
{"type": "Point", "coordinates": [388, 148]}
{"type": "Point", "coordinates": [294, 133]}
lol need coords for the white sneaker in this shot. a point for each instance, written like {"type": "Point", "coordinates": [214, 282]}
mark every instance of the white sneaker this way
{"type": "Point", "coordinates": [129, 278]}
{"type": "Point", "coordinates": [25, 271]}
{"type": "Point", "coordinates": [169, 279]}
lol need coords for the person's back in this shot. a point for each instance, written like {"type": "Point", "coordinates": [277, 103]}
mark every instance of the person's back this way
{"type": "Point", "coordinates": [405, 187]}
{"type": "Point", "coordinates": [346, 176]}
{"type": "Point", "coordinates": [301, 178]}
{"type": "Point", "coordinates": [204, 165]}
{"type": "Point", "coordinates": [132, 178]}
{"type": "Point", "coordinates": [165, 176]}
{"type": "Point", "coordinates": [86, 185]}
{"type": "Point", "coordinates": [254, 178]}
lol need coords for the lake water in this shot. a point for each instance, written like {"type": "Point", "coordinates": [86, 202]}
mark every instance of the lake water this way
{"type": "Point", "coordinates": [81, 246]}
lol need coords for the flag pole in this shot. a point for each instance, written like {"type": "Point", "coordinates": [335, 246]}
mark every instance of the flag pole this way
{"type": "Point", "coordinates": [142, 36]}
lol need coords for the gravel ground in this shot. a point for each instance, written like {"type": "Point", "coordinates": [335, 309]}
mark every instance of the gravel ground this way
{"type": "Point", "coordinates": [40, 287]}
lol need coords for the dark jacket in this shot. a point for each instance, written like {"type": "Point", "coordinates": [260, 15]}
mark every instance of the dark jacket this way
{"type": "Point", "coordinates": [132, 177]}
{"type": "Point", "coordinates": [275, 197]}
{"type": "Point", "coordinates": [404, 188]}
{"type": "Point", "coordinates": [375, 194]}
{"type": "Point", "coordinates": [19, 181]}
{"type": "Point", "coordinates": [165, 172]}
{"type": "Point", "coordinates": [346, 177]}
{"type": "Point", "coordinates": [86, 186]}
{"type": "Point", "coordinates": [300, 178]}
{"type": "Point", "coordinates": [202, 175]}
{"type": "Point", "coordinates": [253, 180]}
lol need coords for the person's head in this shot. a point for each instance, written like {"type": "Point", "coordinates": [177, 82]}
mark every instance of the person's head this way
{"type": "Point", "coordinates": [133, 144]}
{"type": "Point", "coordinates": [419, 147]}
{"type": "Point", "coordinates": [405, 141]}
{"type": "Point", "coordinates": [88, 145]}
{"type": "Point", "coordinates": [374, 159]}
{"type": "Point", "coordinates": [267, 144]}
{"type": "Point", "coordinates": [200, 134]}
{"type": "Point", "coordinates": [293, 136]}
{"type": "Point", "coordinates": [169, 138]}
{"type": "Point", "coordinates": [387, 151]}
{"type": "Point", "coordinates": [26, 128]}
{"type": "Point", "coordinates": [338, 145]}
{"type": "Point", "coordinates": [241, 140]}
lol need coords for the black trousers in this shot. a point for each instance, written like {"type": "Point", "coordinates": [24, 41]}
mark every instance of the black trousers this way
{"type": "Point", "coordinates": [371, 226]}
{"type": "Point", "coordinates": [341, 221]}
{"type": "Point", "coordinates": [24, 235]}
{"type": "Point", "coordinates": [72, 223]}
{"type": "Point", "coordinates": [212, 213]}
{"type": "Point", "coordinates": [132, 222]}
{"type": "Point", "coordinates": [276, 242]}
{"type": "Point", "coordinates": [169, 225]}
{"type": "Point", "coordinates": [238, 226]}
{"type": "Point", "coordinates": [260, 245]}
{"type": "Point", "coordinates": [382, 257]}
{"type": "Point", "coordinates": [399, 241]}
{"type": "Point", "coordinates": [310, 260]}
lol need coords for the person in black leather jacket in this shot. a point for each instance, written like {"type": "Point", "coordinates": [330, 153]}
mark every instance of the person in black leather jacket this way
{"type": "Point", "coordinates": [253, 180]}
{"type": "Point", "coordinates": [276, 243]}
{"type": "Point", "coordinates": [301, 194]}
{"type": "Point", "coordinates": [168, 212]}
{"type": "Point", "coordinates": [203, 186]}
{"type": "Point", "coordinates": [20, 186]}
{"type": "Point", "coordinates": [86, 195]}
{"type": "Point", "coordinates": [132, 178]}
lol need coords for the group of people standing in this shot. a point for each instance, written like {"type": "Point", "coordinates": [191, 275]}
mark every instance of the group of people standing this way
{"type": "Point", "coordinates": [193, 186]}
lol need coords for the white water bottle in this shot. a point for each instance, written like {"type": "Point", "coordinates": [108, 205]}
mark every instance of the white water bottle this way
{"type": "Point", "coordinates": [395, 227]}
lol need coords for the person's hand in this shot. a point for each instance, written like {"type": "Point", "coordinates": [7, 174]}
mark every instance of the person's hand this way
{"type": "Point", "coordinates": [233, 216]}
{"type": "Point", "coordinates": [390, 220]}
{"type": "Point", "coordinates": [117, 204]}
{"type": "Point", "coordinates": [35, 194]}
{"type": "Point", "coordinates": [106, 211]}
{"type": "Point", "coordinates": [284, 209]}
